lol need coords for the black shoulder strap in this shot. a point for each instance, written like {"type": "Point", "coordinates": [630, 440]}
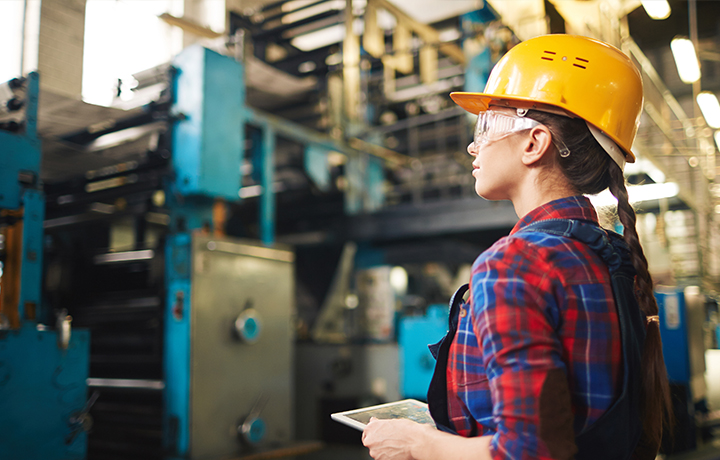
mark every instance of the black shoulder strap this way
{"type": "Point", "coordinates": [437, 391]}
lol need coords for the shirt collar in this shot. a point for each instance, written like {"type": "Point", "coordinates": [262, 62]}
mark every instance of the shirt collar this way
{"type": "Point", "coordinates": [572, 207]}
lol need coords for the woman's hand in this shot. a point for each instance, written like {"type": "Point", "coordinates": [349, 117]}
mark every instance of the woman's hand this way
{"type": "Point", "coordinates": [393, 439]}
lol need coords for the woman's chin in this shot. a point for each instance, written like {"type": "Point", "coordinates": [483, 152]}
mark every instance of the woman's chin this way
{"type": "Point", "coordinates": [487, 194]}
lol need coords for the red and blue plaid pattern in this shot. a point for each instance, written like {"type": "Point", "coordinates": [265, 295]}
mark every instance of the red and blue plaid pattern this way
{"type": "Point", "coordinates": [537, 302]}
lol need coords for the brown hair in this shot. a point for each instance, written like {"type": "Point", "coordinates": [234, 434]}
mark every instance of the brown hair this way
{"type": "Point", "coordinates": [590, 170]}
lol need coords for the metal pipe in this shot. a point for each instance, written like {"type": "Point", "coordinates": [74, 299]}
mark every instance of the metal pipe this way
{"type": "Point", "coordinates": [424, 31]}
{"type": "Point", "coordinates": [267, 200]}
{"type": "Point", "coordinates": [22, 38]}
{"type": "Point", "coordinates": [127, 256]}
{"type": "Point", "coordinates": [126, 383]}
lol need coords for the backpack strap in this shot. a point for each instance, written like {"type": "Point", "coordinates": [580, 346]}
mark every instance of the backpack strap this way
{"type": "Point", "coordinates": [617, 432]}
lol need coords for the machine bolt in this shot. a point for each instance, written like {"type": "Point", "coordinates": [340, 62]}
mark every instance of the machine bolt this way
{"type": "Point", "coordinates": [248, 326]}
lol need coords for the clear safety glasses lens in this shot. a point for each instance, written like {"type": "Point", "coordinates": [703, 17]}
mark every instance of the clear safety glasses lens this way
{"type": "Point", "coordinates": [491, 125]}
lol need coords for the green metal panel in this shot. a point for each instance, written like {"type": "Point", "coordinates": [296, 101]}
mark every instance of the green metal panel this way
{"type": "Point", "coordinates": [230, 277]}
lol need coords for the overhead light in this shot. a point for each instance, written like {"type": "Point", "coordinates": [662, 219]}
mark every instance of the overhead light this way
{"type": "Point", "coordinates": [685, 59]}
{"type": "Point", "coordinates": [399, 280]}
{"type": "Point", "coordinates": [314, 10]}
{"type": "Point", "coordinates": [307, 66]}
{"type": "Point", "coordinates": [319, 38]}
{"type": "Point", "coordinates": [710, 108]}
{"type": "Point", "coordinates": [334, 59]}
{"type": "Point", "coordinates": [656, 9]}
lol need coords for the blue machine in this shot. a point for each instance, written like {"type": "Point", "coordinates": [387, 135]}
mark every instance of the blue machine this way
{"type": "Point", "coordinates": [43, 371]}
{"type": "Point", "coordinates": [674, 331]}
{"type": "Point", "coordinates": [416, 363]}
{"type": "Point", "coordinates": [207, 154]}
{"type": "Point", "coordinates": [681, 311]}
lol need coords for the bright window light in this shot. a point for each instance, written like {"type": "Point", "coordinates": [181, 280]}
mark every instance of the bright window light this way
{"type": "Point", "coordinates": [645, 166]}
{"type": "Point", "coordinates": [637, 194]}
{"type": "Point", "coordinates": [295, 4]}
{"type": "Point", "coordinates": [656, 9]}
{"type": "Point", "coordinates": [710, 108]}
{"type": "Point", "coordinates": [11, 37]}
{"type": "Point", "coordinates": [111, 53]}
{"type": "Point", "coordinates": [319, 38]}
{"type": "Point", "coordinates": [685, 59]}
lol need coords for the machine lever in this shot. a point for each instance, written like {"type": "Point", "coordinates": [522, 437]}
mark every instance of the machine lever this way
{"type": "Point", "coordinates": [82, 421]}
{"type": "Point", "coordinates": [252, 428]}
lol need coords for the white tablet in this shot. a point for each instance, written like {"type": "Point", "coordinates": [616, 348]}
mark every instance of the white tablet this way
{"type": "Point", "coordinates": [410, 409]}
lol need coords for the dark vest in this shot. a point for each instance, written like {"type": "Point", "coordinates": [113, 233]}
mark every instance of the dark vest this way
{"type": "Point", "coordinates": [616, 433]}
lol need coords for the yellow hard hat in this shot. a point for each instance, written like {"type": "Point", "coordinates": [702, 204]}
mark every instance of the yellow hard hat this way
{"type": "Point", "coordinates": [585, 77]}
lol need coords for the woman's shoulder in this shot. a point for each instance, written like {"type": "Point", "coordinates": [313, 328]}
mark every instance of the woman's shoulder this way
{"type": "Point", "coordinates": [531, 251]}
{"type": "Point", "coordinates": [516, 247]}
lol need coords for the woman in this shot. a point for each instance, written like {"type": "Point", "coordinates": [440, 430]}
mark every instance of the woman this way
{"type": "Point", "coordinates": [557, 352]}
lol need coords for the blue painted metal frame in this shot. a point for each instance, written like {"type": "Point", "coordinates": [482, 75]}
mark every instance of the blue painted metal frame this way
{"type": "Point", "coordinates": [267, 199]}
{"type": "Point", "coordinates": [208, 142]}
{"type": "Point", "coordinates": [21, 155]}
{"type": "Point", "coordinates": [176, 420]}
{"type": "Point", "coordinates": [365, 182]}
{"type": "Point", "coordinates": [32, 254]}
{"type": "Point", "coordinates": [42, 386]}
{"type": "Point", "coordinates": [20, 151]}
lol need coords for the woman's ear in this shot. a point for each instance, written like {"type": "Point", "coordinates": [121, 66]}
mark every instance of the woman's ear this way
{"type": "Point", "coordinates": [537, 145]}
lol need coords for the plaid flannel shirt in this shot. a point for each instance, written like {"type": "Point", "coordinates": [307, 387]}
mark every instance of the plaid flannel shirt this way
{"type": "Point", "coordinates": [538, 302]}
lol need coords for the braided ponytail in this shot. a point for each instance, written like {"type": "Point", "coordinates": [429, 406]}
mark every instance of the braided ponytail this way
{"type": "Point", "coordinates": [655, 405]}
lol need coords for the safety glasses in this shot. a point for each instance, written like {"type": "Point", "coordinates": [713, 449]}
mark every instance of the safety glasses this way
{"type": "Point", "coordinates": [494, 126]}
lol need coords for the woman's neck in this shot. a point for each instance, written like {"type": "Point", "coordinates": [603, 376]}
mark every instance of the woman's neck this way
{"type": "Point", "coordinates": [541, 191]}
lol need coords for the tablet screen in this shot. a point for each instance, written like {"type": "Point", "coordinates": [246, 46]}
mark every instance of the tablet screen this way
{"type": "Point", "coordinates": [410, 409]}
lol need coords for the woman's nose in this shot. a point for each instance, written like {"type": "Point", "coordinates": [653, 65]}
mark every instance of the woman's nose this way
{"type": "Point", "coordinates": [472, 149]}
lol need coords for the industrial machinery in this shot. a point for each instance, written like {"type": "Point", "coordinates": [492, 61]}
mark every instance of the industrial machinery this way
{"type": "Point", "coordinates": [192, 329]}
{"type": "Point", "coordinates": [189, 361]}
{"type": "Point", "coordinates": [192, 356]}
{"type": "Point", "coordinates": [167, 233]}
{"type": "Point", "coordinates": [43, 359]}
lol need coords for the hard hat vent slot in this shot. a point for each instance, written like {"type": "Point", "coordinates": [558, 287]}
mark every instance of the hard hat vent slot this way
{"type": "Point", "coordinates": [548, 58]}
{"type": "Point", "coordinates": [582, 61]}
